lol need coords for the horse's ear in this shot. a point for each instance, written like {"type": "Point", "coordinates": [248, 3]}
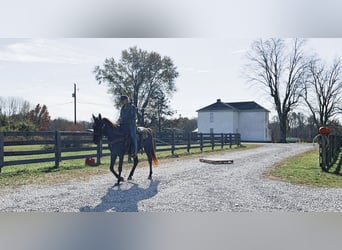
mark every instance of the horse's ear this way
{"type": "Point", "coordinates": [100, 117]}
{"type": "Point", "coordinates": [94, 117]}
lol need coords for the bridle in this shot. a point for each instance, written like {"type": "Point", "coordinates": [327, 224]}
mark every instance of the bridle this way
{"type": "Point", "coordinates": [98, 133]}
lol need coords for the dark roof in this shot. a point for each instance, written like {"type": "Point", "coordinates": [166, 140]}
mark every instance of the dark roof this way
{"type": "Point", "coordinates": [218, 105]}
{"type": "Point", "coordinates": [246, 105]}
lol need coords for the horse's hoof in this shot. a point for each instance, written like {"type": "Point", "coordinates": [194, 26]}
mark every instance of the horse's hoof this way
{"type": "Point", "coordinates": [122, 179]}
{"type": "Point", "coordinates": [150, 177]}
{"type": "Point", "coordinates": [129, 178]}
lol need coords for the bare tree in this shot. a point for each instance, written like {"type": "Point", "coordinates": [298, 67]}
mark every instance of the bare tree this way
{"type": "Point", "coordinates": [323, 92]}
{"type": "Point", "coordinates": [280, 68]}
{"type": "Point", "coordinates": [297, 124]}
{"type": "Point", "coordinates": [10, 106]}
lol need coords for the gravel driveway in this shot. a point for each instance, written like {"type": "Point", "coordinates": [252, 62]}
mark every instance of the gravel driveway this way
{"type": "Point", "coordinates": [184, 185]}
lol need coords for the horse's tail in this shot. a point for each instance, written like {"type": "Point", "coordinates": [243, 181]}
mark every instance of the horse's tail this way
{"type": "Point", "coordinates": [154, 157]}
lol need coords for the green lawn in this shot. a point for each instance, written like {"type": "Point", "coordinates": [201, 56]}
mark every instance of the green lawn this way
{"type": "Point", "coordinates": [304, 169]}
{"type": "Point", "coordinates": [46, 173]}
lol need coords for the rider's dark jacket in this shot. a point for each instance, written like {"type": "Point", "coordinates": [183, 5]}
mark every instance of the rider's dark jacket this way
{"type": "Point", "coordinates": [128, 114]}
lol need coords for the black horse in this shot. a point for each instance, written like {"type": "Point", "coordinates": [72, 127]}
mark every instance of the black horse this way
{"type": "Point", "coordinates": [119, 144]}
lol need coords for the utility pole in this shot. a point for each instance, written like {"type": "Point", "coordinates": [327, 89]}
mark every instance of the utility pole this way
{"type": "Point", "coordinates": [74, 96]}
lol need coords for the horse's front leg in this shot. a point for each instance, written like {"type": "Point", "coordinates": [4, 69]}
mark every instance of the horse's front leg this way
{"type": "Point", "coordinates": [135, 163]}
{"type": "Point", "coordinates": [111, 166]}
{"type": "Point", "coordinates": [120, 178]}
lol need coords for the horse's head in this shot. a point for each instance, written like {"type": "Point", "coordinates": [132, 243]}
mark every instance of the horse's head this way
{"type": "Point", "coordinates": [97, 127]}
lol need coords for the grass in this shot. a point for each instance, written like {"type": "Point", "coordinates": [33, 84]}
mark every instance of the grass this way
{"type": "Point", "coordinates": [300, 170]}
{"type": "Point", "coordinates": [304, 169]}
{"type": "Point", "coordinates": [46, 173]}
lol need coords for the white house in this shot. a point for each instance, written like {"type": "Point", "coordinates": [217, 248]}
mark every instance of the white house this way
{"type": "Point", "coordinates": [249, 119]}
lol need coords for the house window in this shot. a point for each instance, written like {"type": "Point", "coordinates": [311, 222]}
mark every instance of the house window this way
{"type": "Point", "coordinates": [211, 117]}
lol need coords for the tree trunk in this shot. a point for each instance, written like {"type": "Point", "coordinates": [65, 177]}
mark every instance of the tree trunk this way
{"type": "Point", "coordinates": [283, 128]}
{"type": "Point", "coordinates": [142, 118]}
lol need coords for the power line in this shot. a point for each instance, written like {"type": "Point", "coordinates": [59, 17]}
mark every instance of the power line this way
{"type": "Point", "coordinates": [92, 103]}
{"type": "Point", "coordinates": [60, 104]}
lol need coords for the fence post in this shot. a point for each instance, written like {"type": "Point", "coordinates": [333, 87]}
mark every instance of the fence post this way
{"type": "Point", "coordinates": [212, 140]}
{"type": "Point", "coordinates": [189, 143]}
{"type": "Point", "coordinates": [323, 153]}
{"type": "Point", "coordinates": [173, 143]}
{"type": "Point", "coordinates": [2, 151]}
{"type": "Point", "coordinates": [201, 142]}
{"type": "Point", "coordinates": [330, 150]}
{"type": "Point", "coordinates": [58, 144]}
{"type": "Point", "coordinates": [222, 140]}
{"type": "Point", "coordinates": [230, 140]}
{"type": "Point", "coordinates": [99, 153]}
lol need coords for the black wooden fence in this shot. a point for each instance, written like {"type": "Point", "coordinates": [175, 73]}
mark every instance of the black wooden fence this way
{"type": "Point", "coordinates": [51, 147]}
{"type": "Point", "coordinates": [180, 141]}
{"type": "Point", "coordinates": [329, 150]}
{"type": "Point", "coordinates": [18, 148]}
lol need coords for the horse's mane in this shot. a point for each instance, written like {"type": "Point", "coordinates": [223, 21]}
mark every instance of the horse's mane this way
{"type": "Point", "coordinates": [113, 124]}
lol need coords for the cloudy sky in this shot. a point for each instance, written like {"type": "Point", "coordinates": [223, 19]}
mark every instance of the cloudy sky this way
{"type": "Point", "coordinates": [207, 41]}
{"type": "Point", "coordinates": [44, 71]}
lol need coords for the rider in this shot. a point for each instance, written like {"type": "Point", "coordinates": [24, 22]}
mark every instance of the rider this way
{"type": "Point", "coordinates": [127, 120]}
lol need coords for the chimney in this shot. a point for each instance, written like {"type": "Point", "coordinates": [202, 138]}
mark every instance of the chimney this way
{"type": "Point", "coordinates": [218, 100]}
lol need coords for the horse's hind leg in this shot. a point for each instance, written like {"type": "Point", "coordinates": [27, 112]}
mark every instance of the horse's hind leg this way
{"type": "Point", "coordinates": [135, 163]}
{"type": "Point", "coordinates": [149, 157]}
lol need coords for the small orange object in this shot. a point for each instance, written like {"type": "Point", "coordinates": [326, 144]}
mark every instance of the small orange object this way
{"type": "Point", "coordinates": [90, 161]}
{"type": "Point", "coordinates": [324, 130]}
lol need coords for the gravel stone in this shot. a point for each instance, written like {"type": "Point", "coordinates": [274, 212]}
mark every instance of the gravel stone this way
{"type": "Point", "coordinates": [183, 185]}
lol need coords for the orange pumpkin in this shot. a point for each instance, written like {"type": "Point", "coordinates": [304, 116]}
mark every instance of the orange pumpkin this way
{"type": "Point", "coordinates": [324, 130]}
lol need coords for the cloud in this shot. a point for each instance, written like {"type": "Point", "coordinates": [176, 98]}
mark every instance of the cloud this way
{"type": "Point", "coordinates": [240, 51]}
{"type": "Point", "coordinates": [192, 69]}
{"type": "Point", "coordinates": [42, 51]}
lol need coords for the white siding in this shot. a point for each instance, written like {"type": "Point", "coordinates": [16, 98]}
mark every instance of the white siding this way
{"type": "Point", "coordinates": [222, 122]}
{"type": "Point", "coordinates": [252, 126]}
{"type": "Point", "coordinates": [236, 123]}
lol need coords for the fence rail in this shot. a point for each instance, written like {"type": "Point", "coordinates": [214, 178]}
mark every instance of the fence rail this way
{"type": "Point", "coordinates": [329, 150]}
{"type": "Point", "coordinates": [18, 148]}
